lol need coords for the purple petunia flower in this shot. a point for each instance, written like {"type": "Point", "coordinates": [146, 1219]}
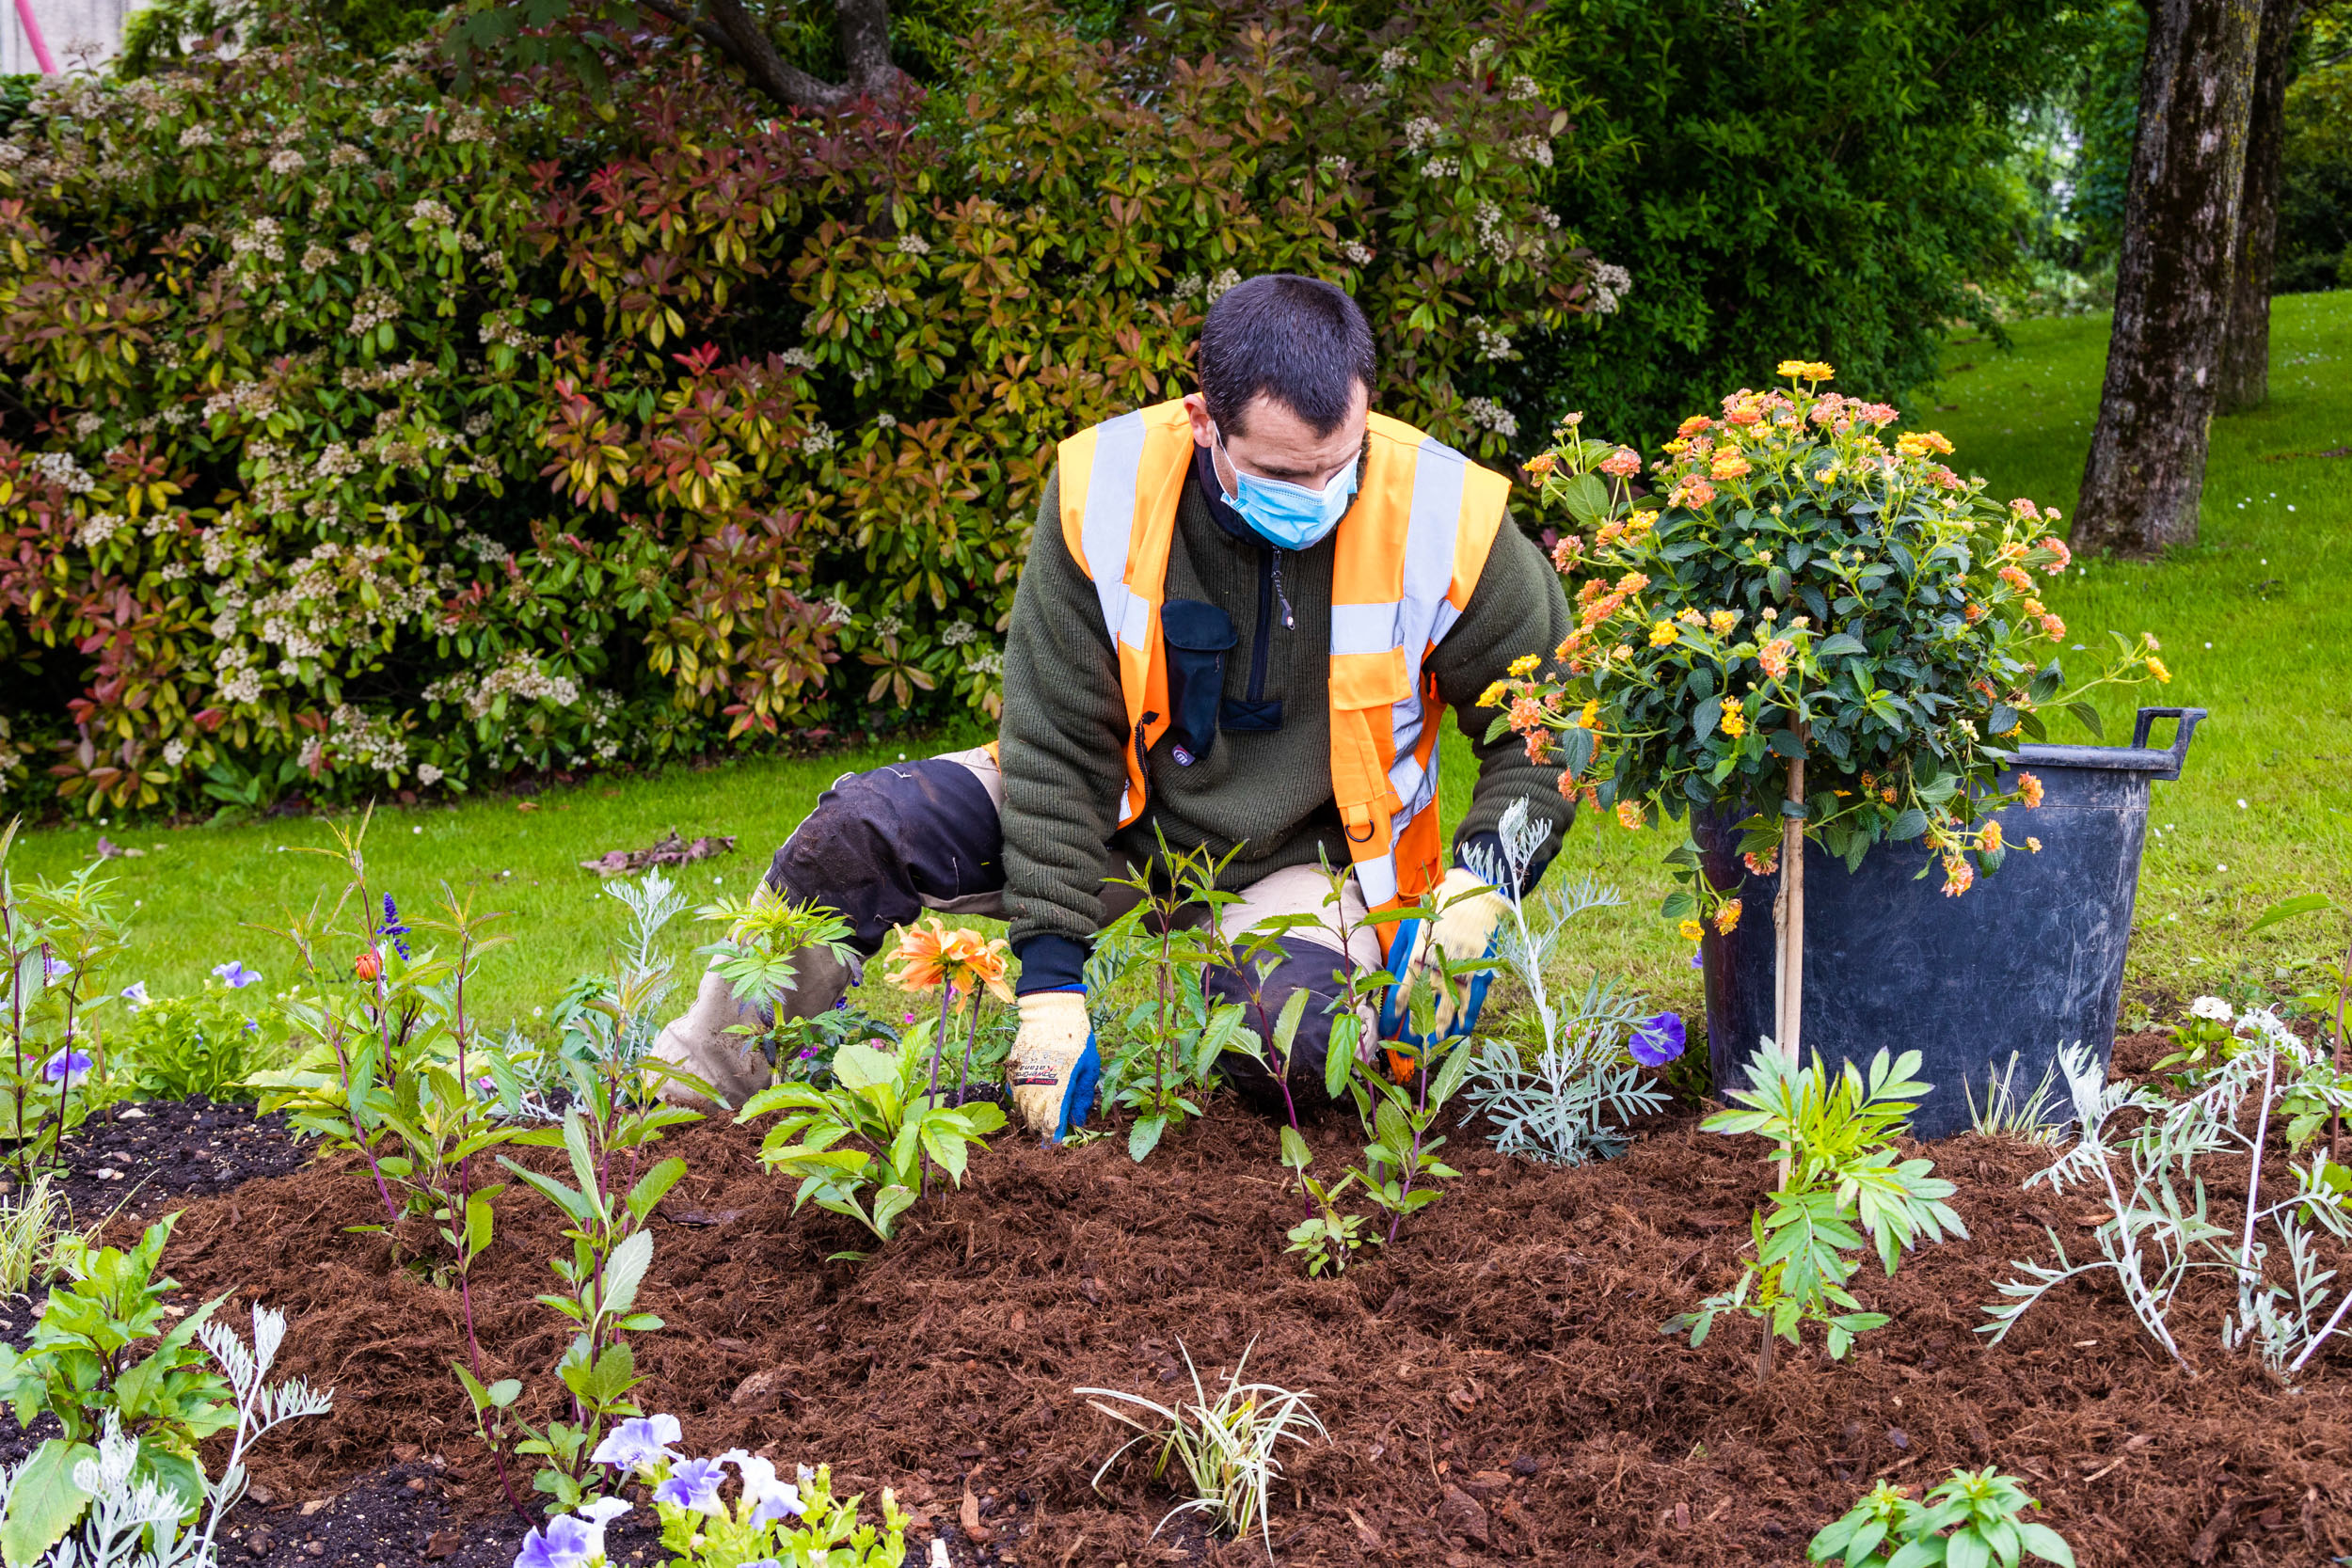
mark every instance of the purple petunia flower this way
{"type": "Point", "coordinates": [135, 994]}
{"type": "Point", "coordinates": [67, 1066]}
{"type": "Point", "coordinates": [694, 1484]}
{"type": "Point", "coordinates": [639, 1441]}
{"type": "Point", "coordinates": [564, 1544]}
{"type": "Point", "coordinates": [392, 928]}
{"type": "Point", "coordinates": [1698, 960]}
{"type": "Point", "coordinates": [571, 1540]}
{"type": "Point", "coordinates": [235, 976]}
{"type": "Point", "coordinates": [54, 969]}
{"type": "Point", "coordinates": [1658, 1040]}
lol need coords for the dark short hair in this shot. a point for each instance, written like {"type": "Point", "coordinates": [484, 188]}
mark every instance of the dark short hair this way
{"type": "Point", "coordinates": [1300, 340]}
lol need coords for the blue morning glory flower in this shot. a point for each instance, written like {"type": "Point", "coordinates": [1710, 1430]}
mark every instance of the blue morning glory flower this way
{"type": "Point", "coordinates": [571, 1540]}
{"type": "Point", "coordinates": [564, 1544]}
{"type": "Point", "coordinates": [235, 976]}
{"type": "Point", "coordinates": [770, 1499]}
{"type": "Point", "coordinates": [135, 994]}
{"type": "Point", "coordinates": [637, 1442]}
{"type": "Point", "coordinates": [1658, 1040]}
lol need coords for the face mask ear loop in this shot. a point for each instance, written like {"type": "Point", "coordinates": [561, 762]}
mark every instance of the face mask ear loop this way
{"type": "Point", "coordinates": [1216, 439]}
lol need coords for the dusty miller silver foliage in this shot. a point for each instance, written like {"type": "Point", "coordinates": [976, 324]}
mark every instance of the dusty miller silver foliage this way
{"type": "Point", "coordinates": [2140, 1150]}
{"type": "Point", "coordinates": [1570, 1101]}
{"type": "Point", "coordinates": [138, 1526]}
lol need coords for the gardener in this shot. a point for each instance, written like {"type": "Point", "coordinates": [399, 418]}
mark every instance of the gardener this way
{"type": "Point", "coordinates": [1243, 616]}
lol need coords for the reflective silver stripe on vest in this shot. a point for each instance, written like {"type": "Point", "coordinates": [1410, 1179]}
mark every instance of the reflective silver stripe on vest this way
{"type": "Point", "coordinates": [1438, 475]}
{"type": "Point", "coordinates": [1425, 615]}
{"type": "Point", "coordinates": [1108, 522]}
{"type": "Point", "coordinates": [1366, 629]}
{"type": "Point", "coordinates": [1417, 621]}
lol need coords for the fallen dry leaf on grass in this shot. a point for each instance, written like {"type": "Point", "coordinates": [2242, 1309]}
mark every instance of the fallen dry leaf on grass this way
{"type": "Point", "coordinates": [668, 850]}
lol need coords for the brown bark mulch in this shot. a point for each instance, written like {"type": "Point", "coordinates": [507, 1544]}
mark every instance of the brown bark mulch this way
{"type": "Point", "coordinates": [1495, 1383]}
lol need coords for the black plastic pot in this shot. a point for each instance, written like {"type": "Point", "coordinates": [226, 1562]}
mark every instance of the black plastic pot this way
{"type": "Point", "coordinates": [2029, 960]}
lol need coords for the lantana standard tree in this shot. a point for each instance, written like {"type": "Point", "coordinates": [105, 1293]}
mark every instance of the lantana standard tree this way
{"type": "Point", "coordinates": [1806, 627]}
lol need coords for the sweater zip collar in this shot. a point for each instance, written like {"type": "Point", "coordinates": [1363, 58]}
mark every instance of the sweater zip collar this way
{"type": "Point", "coordinates": [1270, 591]}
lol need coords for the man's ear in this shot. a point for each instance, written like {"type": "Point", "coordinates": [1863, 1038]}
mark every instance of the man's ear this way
{"type": "Point", "coordinates": [1197, 412]}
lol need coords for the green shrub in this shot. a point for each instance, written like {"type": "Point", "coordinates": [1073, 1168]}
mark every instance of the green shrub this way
{"type": "Point", "coordinates": [89, 1360]}
{"type": "Point", "coordinates": [205, 1043]}
{"type": "Point", "coordinates": [2315, 188]}
{"type": "Point", "coordinates": [366, 437]}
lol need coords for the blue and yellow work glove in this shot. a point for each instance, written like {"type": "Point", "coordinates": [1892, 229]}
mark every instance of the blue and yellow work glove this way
{"type": "Point", "coordinates": [1054, 1068]}
{"type": "Point", "coordinates": [1469, 921]}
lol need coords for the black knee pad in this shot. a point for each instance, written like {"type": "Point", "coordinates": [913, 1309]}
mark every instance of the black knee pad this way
{"type": "Point", "coordinates": [1305, 967]}
{"type": "Point", "coordinates": [879, 843]}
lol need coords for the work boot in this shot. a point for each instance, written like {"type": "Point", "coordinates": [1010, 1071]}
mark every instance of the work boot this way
{"type": "Point", "coordinates": [698, 1042]}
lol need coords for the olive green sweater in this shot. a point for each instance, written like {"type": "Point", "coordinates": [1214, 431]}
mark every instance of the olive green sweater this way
{"type": "Point", "coordinates": [1266, 791]}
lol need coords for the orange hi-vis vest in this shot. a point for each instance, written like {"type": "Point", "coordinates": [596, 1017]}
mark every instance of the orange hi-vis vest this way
{"type": "Point", "coordinates": [1410, 551]}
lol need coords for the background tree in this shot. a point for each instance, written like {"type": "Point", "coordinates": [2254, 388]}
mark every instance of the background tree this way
{"type": "Point", "coordinates": [2244, 371]}
{"type": "Point", "coordinates": [1826, 181]}
{"type": "Point", "coordinates": [2147, 464]}
{"type": "Point", "coordinates": [2315, 185]}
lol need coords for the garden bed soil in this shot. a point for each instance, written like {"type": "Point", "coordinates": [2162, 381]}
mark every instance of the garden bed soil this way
{"type": "Point", "coordinates": [147, 1157]}
{"type": "Point", "coordinates": [1495, 1383]}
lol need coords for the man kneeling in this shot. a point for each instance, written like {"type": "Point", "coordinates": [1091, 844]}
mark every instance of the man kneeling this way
{"type": "Point", "coordinates": [1241, 621]}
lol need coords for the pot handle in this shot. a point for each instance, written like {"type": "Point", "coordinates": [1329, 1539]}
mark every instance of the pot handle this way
{"type": "Point", "coordinates": [2186, 718]}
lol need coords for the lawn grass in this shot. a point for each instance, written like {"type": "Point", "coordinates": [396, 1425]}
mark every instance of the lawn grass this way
{"type": "Point", "coordinates": [195, 895]}
{"type": "Point", "coordinates": [2264, 809]}
{"type": "Point", "coordinates": [2255, 623]}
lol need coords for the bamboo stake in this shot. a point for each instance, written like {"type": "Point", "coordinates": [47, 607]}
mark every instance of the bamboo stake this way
{"type": "Point", "coordinates": [1788, 932]}
{"type": "Point", "coordinates": [1788, 975]}
{"type": "Point", "coordinates": [2335, 1120]}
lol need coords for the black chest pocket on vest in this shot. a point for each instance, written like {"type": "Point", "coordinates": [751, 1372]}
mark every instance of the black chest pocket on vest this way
{"type": "Point", "coordinates": [1199, 635]}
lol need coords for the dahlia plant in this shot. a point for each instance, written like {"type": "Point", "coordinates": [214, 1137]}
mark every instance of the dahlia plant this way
{"type": "Point", "coordinates": [1795, 589]}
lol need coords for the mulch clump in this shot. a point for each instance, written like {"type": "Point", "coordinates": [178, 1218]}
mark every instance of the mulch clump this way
{"type": "Point", "coordinates": [1495, 1383]}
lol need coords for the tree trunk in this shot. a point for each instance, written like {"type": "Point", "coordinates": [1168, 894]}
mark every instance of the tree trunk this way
{"type": "Point", "coordinates": [742, 37]}
{"type": "Point", "coordinates": [2245, 375]}
{"type": "Point", "coordinates": [2147, 464]}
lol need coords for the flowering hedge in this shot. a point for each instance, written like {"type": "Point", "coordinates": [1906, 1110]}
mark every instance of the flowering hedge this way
{"type": "Point", "coordinates": [354, 436]}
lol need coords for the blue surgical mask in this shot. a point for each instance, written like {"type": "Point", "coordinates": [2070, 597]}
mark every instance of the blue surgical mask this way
{"type": "Point", "coordinates": [1288, 517]}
